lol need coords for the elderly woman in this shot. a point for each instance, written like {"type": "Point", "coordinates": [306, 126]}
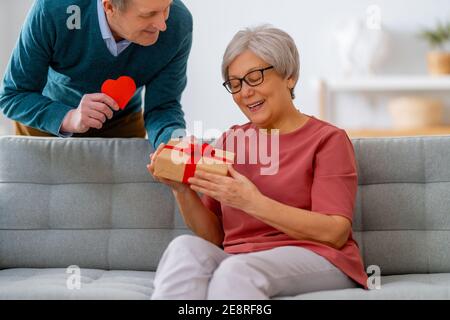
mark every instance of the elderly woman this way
{"type": "Point", "coordinates": [259, 236]}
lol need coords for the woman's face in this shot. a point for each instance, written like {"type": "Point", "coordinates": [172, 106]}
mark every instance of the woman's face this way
{"type": "Point", "coordinates": [263, 104]}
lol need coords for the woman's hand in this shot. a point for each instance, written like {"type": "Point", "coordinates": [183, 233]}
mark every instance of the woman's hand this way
{"type": "Point", "coordinates": [236, 191]}
{"type": "Point", "coordinates": [176, 186]}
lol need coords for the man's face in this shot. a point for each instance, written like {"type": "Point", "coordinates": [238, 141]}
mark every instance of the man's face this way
{"type": "Point", "coordinates": [140, 21]}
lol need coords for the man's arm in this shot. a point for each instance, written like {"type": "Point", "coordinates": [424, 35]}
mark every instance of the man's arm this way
{"type": "Point", "coordinates": [163, 113]}
{"type": "Point", "coordinates": [21, 96]}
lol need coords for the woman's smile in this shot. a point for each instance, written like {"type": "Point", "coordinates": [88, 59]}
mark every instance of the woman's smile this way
{"type": "Point", "coordinates": [255, 107]}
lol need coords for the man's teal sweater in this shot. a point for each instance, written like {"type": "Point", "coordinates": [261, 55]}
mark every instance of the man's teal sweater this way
{"type": "Point", "coordinates": [52, 67]}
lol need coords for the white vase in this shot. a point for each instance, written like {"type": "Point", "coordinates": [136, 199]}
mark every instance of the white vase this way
{"type": "Point", "coordinates": [361, 49]}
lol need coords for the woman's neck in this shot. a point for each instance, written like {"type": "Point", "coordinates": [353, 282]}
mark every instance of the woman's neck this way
{"type": "Point", "coordinates": [288, 122]}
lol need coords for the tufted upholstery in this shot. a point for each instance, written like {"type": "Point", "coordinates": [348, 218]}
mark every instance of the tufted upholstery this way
{"type": "Point", "coordinates": [402, 214]}
{"type": "Point", "coordinates": [91, 203]}
{"type": "Point", "coordinates": [86, 202]}
{"type": "Point", "coordinates": [95, 284]}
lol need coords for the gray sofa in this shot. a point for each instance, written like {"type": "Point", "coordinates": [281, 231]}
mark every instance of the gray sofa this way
{"type": "Point", "coordinates": [91, 203]}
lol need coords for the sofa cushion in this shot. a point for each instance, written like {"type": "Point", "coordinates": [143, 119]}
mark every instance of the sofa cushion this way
{"type": "Point", "coordinates": [138, 285]}
{"type": "Point", "coordinates": [399, 287]}
{"type": "Point", "coordinates": [95, 284]}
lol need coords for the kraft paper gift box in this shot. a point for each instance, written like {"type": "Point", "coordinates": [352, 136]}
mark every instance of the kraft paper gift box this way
{"type": "Point", "coordinates": [179, 160]}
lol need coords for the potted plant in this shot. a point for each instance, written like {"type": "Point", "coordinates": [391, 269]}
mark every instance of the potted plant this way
{"type": "Point", "coordinates": [439, 40]}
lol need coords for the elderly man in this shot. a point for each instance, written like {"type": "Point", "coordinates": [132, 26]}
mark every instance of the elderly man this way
{"type": "Point", "coordinates": [68, 48]}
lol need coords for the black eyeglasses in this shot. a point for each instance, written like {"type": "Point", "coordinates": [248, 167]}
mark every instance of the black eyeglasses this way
{"type": "Point", "coordinates": [253, 78]}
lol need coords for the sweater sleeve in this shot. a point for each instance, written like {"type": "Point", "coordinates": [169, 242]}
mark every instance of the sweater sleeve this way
{"type": "Point", "coordinates": [21, 96]}
{"type": "Point", "coordinates": [163, 113]}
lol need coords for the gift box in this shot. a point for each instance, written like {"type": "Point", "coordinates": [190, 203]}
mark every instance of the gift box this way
{"type": "Point", "coordinates": [179, 160]}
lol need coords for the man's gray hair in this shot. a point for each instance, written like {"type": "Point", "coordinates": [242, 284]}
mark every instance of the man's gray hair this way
{"type": "Point", "coordinates": [272, 45]}
{"type": "Point", "coordinates": [121, 4]}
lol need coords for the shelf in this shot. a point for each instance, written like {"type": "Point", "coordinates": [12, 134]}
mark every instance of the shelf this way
{"type": "Point", "coordinates": [428, 131]}
{"type": "Point", "coordinates": [328, 87]}
{"type": "Point", "coordinates": [388, 83]}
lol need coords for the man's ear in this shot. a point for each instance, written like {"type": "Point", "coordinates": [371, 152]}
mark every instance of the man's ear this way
{"type": "Point", "coordinates": [108, 7]}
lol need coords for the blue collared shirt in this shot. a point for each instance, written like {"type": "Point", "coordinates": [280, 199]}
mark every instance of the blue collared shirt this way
{"type": "Point", "coordinates": [114, 47]}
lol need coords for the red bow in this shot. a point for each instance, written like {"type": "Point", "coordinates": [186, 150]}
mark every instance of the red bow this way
{"type": "Point", "coordinates": [196, 152]}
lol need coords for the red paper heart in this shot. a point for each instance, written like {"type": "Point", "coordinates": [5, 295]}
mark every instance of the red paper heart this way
{"type": "Point", "coordinates": [121, 90]}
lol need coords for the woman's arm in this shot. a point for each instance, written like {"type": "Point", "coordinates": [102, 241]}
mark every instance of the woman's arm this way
{"type": "Point", "coordinates": [202, 221]}
{"type": "Point", "coordinates": [239, 192]}
{"type": "Point", "coordinates": [332, 230]}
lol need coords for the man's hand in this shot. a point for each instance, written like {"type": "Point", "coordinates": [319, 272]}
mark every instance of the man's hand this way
{"type": "Point", "coordinates": [92, 112]}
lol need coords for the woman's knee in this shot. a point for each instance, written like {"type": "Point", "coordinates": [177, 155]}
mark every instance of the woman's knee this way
{"type": "Point", "coordinates": [229, 267]}
{"type": "Point", "coordinates": [237, 274]}
{"type": "Point", "coordinates": [183, 242]}
{"type": "Point", "coordinates": [187, 243]}
{"type": "Point", "coordinates": [236, 267]}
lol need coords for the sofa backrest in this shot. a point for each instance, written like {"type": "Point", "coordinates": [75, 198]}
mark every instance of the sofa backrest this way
{"type": "Point", "coordinates": [92, 203]}
{"type": "Point", "coordinates": [85, 202]}
{"type": "Point", "coordinates": [402, 214]}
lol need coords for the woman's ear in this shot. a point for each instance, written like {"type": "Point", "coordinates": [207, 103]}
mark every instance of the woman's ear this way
{"type": "Point", "coordinates": [290, 86]}
{"type": "Point", "coordinates": [291, 83]}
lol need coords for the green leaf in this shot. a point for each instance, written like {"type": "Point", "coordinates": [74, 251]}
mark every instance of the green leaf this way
{"type": "Point", "coordinates": [437, 36]}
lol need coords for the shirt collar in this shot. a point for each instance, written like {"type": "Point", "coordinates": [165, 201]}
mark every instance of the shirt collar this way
{"type": "Point", "coordinates": [104, 27]}
{"type": "Point", "coordinates": [114, 47]}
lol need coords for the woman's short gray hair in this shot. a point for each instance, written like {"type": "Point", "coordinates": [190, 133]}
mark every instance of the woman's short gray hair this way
{"type": "Point", "coordinates": [272, 45]}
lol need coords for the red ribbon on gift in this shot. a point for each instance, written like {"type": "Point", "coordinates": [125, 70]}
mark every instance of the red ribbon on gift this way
{"type": "Point", "coordinates": [195, 153]}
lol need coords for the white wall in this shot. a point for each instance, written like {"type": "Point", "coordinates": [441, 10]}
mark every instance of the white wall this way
{"type": "Point", "coordinates": [311, 25]}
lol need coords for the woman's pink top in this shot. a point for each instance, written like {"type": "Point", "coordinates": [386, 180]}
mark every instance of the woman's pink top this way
{"type": "Point", "coordinates": [316, 172]}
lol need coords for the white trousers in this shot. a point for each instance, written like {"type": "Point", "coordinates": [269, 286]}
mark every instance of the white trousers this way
{"type": "Point", "coordinates": [192, 268]}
